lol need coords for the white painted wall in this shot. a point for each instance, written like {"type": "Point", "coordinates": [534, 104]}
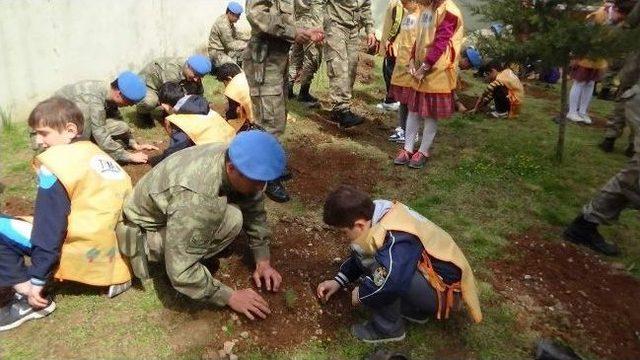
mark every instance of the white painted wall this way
{"type": "Point", "coordinates": [45, 45]}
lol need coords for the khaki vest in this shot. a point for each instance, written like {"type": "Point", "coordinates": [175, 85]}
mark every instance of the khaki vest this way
{"type": "Point", "coordinates": [386, 25]}
{"type": "Point", "coordinates": [404, 44]}
{"type": "Point", "coordinates": [238, 90]}
{"type": "Point", "coordinates": [438, 244]}
{"type": "Point", "coordinates": [443, 76]}
{"type": "Point", "coordinates": [97, 187]}
{"type": "Point", "coordinates": [204, 129]}
{"type": "Point", "coordinates": [599, 17]}
{"type": "Point", "coordinates": [516, 90]}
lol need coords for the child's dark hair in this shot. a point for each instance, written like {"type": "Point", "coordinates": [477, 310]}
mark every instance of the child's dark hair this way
{"type": "Point", "coordinates": [170, 93]}
{"type": "Point", "coordinates": [56, 112]}
{"type": "Point", "coordinates": [494, 65]}
{"type": "Point", "coordinates": [227, 71]}
{"type": "Point", "coordinates": [345, 205]}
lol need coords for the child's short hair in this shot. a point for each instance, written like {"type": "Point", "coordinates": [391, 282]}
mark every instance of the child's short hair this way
{"type": "Point", "coordinates": [227, 71]}
{"type": "Point", "coordinates": [345, 205]}
{"type": "Point", "coordinates": [170, 92]}
{"type": "Point", "coordinates": [56, 112]}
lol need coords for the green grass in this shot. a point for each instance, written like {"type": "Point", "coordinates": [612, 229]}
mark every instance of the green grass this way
{"type": "Point", "coordinates": [488, 180]}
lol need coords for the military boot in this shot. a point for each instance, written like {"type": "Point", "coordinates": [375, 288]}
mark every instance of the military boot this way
{"type": "Point", "coordinates": [586, 233]}
{"type": "Point", "coordinates": [305, 97]}
{"type": "Point", "coordinates": [607, 144]}
{"type": "Point", "coordinates": [290, 93]}
{"type": "Point", "coordinates": [346, 119]}
{"type": "Point", "coordinates": [277, 192]}
{"type": "Point", "coordinates": [630, 151]}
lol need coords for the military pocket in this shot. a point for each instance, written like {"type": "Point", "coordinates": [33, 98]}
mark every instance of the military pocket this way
{"type": "Point", "coordinates": [331, 72]}
{"type": "Point", "coordinates": [200, 244]}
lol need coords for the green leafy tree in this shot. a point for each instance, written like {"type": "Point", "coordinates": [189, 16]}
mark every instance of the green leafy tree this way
{"type": "Point", "coordinates": [553, 32]}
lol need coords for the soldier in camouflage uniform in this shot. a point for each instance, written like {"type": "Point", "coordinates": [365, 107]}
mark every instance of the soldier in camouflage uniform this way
{"type": "Point", "coordinates": [193, 205]}
{"type": "Point", "coordinates": [623, 190]}
{"type": "Point", "coordinates": [226, 43]}
{"type": "Point", "coordinates": [343, 21]}
{"type": "Point", "coordinates": [99, 102]}
{"type": "Point", "coordinates": [305, 59]}
{"type": "Point", "coordinates": [189, 72]}
{"type": "Point", "coordinates": [265, 64]}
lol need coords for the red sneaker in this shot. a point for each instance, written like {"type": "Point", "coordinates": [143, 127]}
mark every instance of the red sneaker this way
{"type": "Point", "coordinates": [403, 157]}
{"type": "Point", "coordinates": [418, 160]}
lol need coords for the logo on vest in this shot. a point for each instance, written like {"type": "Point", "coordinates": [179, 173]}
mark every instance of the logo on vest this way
{"type": "Point", "coordinates": [380, 275]}
{"type": "Point", "coordinates": [106, 167]}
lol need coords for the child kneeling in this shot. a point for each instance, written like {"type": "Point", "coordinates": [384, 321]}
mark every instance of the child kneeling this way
{"type": "Point", "coordinates": [408, 268]}
{"type": "Point", "coordinates": [79, 201]}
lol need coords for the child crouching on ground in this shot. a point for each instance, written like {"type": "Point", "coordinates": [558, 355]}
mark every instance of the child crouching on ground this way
{"type": "Point", "coordinates": [190, 121]}
{"type": "Point", "coordinates": [409, 268]}
{"type": "Point", "coordinates": [504, 89]}
{"type": "Point", "coordinates": [79, 201]}
{"type": "Point", "coordinates": [239, 111]}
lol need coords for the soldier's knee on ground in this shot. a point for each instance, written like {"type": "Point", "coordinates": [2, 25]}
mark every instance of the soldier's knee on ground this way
{"type": "Point", "coordinates": [131, 243]}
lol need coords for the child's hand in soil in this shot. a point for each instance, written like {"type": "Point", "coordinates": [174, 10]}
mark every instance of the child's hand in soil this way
{"type": "Point", "coordinates": [249, 303]}
{"type": "Point", "coordinates": [326, 289]}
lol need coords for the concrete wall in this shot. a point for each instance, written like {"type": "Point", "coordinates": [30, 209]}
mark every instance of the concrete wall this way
{"type": "Point", "coordinates": [45, 45]}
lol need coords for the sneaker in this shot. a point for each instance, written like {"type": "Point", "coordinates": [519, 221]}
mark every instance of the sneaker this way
{"type": "Point", "coordinates": [366, 332]}
{"type": "Point", "coordinates": [117, 289]}
{"type": "Point", "coordinates": [418, 160]}
{"type": "Point", "coordinates": [397, 134]}
{"type": "Point", "coordinates": [383, 106]}
{"type": "Point", "coordinates": [586, 233]}
{"type": "Point", "coordinates": [574, 117]}
{"type": "Point", "coordinates": [19, 311]}
{"type": "Point", "coordinates": [499, 115]}
{"type": "Point", "coordinates": [586, 119]}
{"type": "Point", "coordinates": [403, 157]}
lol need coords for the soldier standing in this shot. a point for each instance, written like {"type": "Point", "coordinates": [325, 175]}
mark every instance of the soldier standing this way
{"type": "Point", "coordinates": [265, 64]}
{"type": "Point", "coordinates": [226, 43]}
{"type": "Point", "coordinates": [343, 21]}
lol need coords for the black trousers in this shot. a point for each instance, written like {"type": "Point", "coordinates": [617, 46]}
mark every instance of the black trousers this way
{"type": "Point", "coordinates": [387, 70]}
{"type": "Point", "coordinates": [501, 99]}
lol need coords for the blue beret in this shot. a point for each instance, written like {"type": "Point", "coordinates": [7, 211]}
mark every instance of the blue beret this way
{"type": "Point", "coordinates": [132, 86]}
{"type": "Point", "coordinates": [235, 8]}
{"type": "Point", "coordinates": [200, 64]}
{"type": "Point", "coordinates": [474, 57]}
{"type": "Point", "coordinates": [257, 155]}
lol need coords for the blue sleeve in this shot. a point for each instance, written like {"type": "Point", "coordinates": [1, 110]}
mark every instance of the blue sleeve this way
{"type": "Point", "coordinates": [179, 141]}
{"type": "Point", "coordinates": [350, 271]}
{"type": "Point", "coordinates": [397, 261]}
{"type": "Point", "coordinates": [50, 221]}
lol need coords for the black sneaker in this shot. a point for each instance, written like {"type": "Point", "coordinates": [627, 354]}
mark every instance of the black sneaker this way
{"type": "Point", "coordinates": [607, 144]}
{"type": "Point", "coordinates": [277, 192]}
{"type": "Point", "coordinates": [19, 311]}
{"type": "Point", "coordinates": [583, 232]}
{"type": "Point", "coordinates": [366, 332]}
{"type": "Point", "coordinates": [630, 151]}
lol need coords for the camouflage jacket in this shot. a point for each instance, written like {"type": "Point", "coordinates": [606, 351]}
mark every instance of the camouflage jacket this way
{"type": "Point", "coordinates": [226, 43]}
{"type": "Point", "coordinates": [188, 194]}
{"type": "Point", "coordinates": [308, 13]}
{"type": "Point", "coordinates": [271, 20]}
{"type": "Point", "coordinates": [350, 14]}
{"type": "Point", "coordinates": [166, 69]}
{"type": "Point", "coordinates": [92, 97]}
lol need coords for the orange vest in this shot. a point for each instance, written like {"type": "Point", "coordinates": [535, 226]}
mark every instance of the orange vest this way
{"type": "Point", "coordinates": [204, 129]}
{"type": "Point", "coordinates": [438, 244]}
{"type": "Point", "coordinates": [238, 90]}
{"type": "Point", "coordinates": [404, 44]}
{"type": "Point", "coordinates": [388, 22]}
{"type": "Point", "coordinates": [97, 187]}
{"type": "Point", "coordinates": [443, 76]}
{"type": "Point", "coordinates": [516, 90]}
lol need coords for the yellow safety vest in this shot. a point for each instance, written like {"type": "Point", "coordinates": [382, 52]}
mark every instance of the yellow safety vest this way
{"type": "Point", "coordinates": [443, 76]}
{"type": "Point", "coordinates": [238, 90]}
{"type": "Point", "coordinates": [599, 17]}
{"type": "Point", "coordinates": [97, 187]}
{"type": "Point", "coordinates": [204, 129]}
{"type": "Point", "coordinates": [386, 25]}
{"type": "Point", "coordinates": [516, 90]}
{"type": "Point", "coordinates": [404, 44]}
{"type": "Point", "coordinates": [438, 244]}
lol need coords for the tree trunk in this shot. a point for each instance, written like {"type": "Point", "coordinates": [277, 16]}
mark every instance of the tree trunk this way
{"type": "Point", "coordinates": [564, 108]}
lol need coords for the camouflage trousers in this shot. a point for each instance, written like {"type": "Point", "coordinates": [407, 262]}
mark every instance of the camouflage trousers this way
{"type": "Point", "coordinates": [304, 61]}
{"type": "Point", "coordinates": [265, 65]}
{"type": "Point", "coordinates": [150, 105]}
{"type": "Point", "coordinates": [623, 190]}
{"type": "Point", "coordinates": [341, 54]}
{"type": "Point", "coordinates": [617, 123]}
{"type": "Point", "coordinates": [142, 246]}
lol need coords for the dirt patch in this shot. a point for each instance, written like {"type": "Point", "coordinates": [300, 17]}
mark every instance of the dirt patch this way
{"type": "Point", "coordinates": [318, 171]}
{"type": "Point", "coordinates": [137, 171]}
{"type": "Point", "coordinates": [572, 295]}
{"type": "Point", "coordinates": [534, 90]}
{"type": "Point", "coordinates": [467, 100]}
{"type": "Point", "coordinates": [598, 121]}
{"type": "Point", "coordinates": [364, 72]}
{"type": "Point", "coordinates": [17, 206]}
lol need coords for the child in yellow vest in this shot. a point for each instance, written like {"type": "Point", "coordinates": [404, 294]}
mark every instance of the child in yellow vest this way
{"type": "Point", "coordinates": [434, 66]}
{"type": "Point", "coordinates": [401, 81]}
{"type": "Point", "coordinates": [79, 201]}
{"type": "Point", "coordinates": [504, 89]}
{"type": "Point", "coordinates": [239, 111]}
{"type": "Point", "coordinates": [408, 268]}
{"type": "Point", "coordinates": [190, 121]}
